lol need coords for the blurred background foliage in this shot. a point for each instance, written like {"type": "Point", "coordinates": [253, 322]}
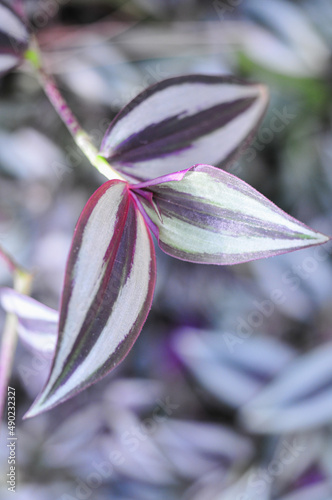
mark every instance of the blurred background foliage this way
{"type": "Point", "coordinates": [227, 394]}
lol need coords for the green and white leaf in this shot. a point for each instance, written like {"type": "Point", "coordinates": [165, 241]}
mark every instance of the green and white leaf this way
{"type": "Point", "coordinates": [213, 217]}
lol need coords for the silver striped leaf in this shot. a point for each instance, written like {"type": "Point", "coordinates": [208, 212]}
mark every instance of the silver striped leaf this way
{"type": "Point", "coordinates": [212, 217]}
{"type": "Point", "coordinates": [182, 121]}
{"type": "Point", "coordinates": [107, 294]}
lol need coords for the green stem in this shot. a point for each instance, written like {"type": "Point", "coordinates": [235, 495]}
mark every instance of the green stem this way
{"type": "Point", "coordinates": [81, 138]}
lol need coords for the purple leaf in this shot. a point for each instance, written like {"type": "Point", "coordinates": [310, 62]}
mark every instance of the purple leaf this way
{"type": "Point", "coordinates": [183, 121]}
{"type": "Point", "coordinates": [212, 217]}
{"type": "Point", "coordinates": [14, 38]}
{"type": "Point", "coordinates": [107, 293]}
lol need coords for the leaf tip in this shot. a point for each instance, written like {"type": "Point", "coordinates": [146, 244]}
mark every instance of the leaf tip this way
{"type": "Point", "coordinates": [36, 409]}
{"type": "Point", "coordinates": [320, 238]}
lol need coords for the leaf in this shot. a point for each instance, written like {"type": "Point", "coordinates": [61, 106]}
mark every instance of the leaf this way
{"type": "Point", "coordinates": [276, 45]}
{"type": "Point", "coordinates": [231, 368]}
{"type": "Point", "coordinates": [14, 38]}
{"type": "Point", "coordinates": [310, 490]}
{"type": "Point", "coordinates": [183, 121]}
{"type": "Point", "coordinates": [37, 323]}
{"type": "Point", "coordinates": [248, 486]}
{"type": "Point", "coordinates": [188, 438]}
{"type": "Point", "coordinates": [298, 399]}
{"type": "Point", "coordinates": [212, 217]}
{"type": "Point", "coordinates": [108, 289]}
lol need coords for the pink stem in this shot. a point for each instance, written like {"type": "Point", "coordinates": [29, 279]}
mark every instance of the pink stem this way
{"type": "Point", "coordinates": [8, 260]}
{"type": "Point", "coordinates": [59, 104]}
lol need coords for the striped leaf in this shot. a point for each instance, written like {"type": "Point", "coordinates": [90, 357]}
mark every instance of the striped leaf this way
{"type": "Point", "coordinates": [37, 323]}
{"type": "Point", "coordinates": [183, 121]}
{"type": "Point", "coordinates": [212, 217]}
{"type": "Point", "coordinates": [107, 293]}
{"type": "Point", "coordinates": [13, 38]}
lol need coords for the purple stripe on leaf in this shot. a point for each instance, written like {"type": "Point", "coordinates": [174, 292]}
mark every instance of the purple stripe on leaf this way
{"type": "Point", "coordinates": [176, 133]}
{"type": "Point", "coordinates": [112, 253]}
{"type": "Point", "coordinates": [96, 317]}
{"type": "Point", "coordinates": [177, 81]}
{"type": "Point", "coordinates": [212, 217]}
{"type": "Point", "coordinates": [217, 219]}
{"type": "Point", "coordinates": [200, 214]}
{"type": "Point", "coordinates": [181, 121]}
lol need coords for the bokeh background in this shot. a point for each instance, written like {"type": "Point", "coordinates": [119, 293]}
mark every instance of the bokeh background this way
{"type": "Point", "coordinates": [227, 394]}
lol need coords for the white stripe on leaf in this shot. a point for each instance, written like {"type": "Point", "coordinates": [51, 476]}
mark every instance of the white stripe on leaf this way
{"type": "Point", "coordinates": [89, 266]}
{"type": "Point", "coordinates": [239, 224]}
{"type": "Point", "coordinates": [185, 97]}
{"type": "Point", "coordinates": [109, 281]}
{"type": "Point", "coordinates": [130, 301]}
